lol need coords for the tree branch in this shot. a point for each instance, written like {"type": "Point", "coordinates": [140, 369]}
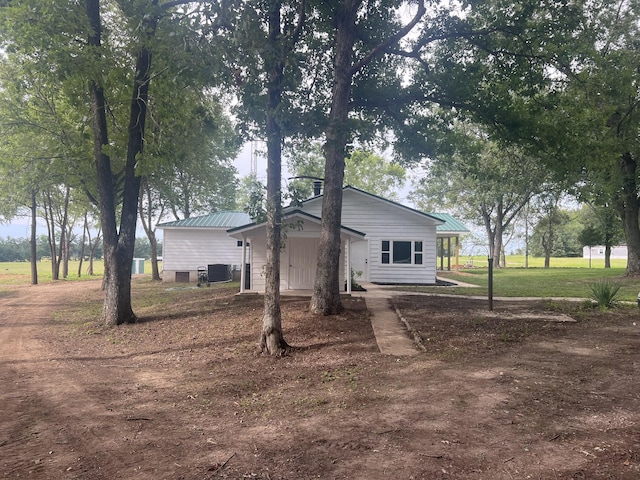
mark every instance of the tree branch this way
{"type": "Point", "coordinates": [391, 40]}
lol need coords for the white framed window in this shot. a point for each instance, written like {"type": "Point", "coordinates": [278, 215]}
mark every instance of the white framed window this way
{"type": "Point", "coordinates": [402, 252]}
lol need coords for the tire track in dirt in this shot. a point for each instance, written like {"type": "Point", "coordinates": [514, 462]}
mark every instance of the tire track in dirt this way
{"type": "Point", "coordinates": [44, 397]}
{"type": "Point", "coordinates": [32, 437]}
{"type": "Point", "coordinates": [66, 416]}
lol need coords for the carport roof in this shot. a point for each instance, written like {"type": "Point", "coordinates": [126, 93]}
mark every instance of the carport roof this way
{"type": "Point", "coordinates": [450, 225]}
{"type": "Point", "coordinates": [223, 220]}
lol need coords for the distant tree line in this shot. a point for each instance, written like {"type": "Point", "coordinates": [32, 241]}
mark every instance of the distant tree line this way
{"type": "Point", "coordinates": [19, 250]}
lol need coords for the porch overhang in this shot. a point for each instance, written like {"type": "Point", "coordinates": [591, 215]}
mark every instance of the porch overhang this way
{"type": "Point", "coordinates": [294, 222]}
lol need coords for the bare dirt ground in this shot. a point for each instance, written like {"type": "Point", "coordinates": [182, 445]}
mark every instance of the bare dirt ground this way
{"type": "Point", "coordinates": [183, 395]}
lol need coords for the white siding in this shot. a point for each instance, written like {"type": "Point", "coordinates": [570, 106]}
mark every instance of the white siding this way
{"type": "Point", "coordinates": [384, 221]}
{"type": "Point", "coordinates": [310, 231]}
{"type": "Point", "coordinates": [258, 261]}
{"type": "Point", "coordinates": [597, 252]}
{"type": "Point", "coordinates": [184, 250]}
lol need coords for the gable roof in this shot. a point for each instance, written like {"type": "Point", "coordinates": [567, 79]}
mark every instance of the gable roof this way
{"type": "Point", "coordinates": [346, 188]}
{"type": "Point", "coordinates": [223, 220]}
{"type": "Point", "coordinates": [450, 225]}
{"type": "Point", "coordinates": [288, 214]}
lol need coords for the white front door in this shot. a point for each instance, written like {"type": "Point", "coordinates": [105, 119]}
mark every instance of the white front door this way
{"type": "Point", "coordinates": [302, 262]}
{"type": "Point", "coordinates": [360, 260]}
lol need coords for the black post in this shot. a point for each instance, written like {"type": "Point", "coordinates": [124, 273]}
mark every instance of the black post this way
{"type": "Point", "coordinates": [490, 284]}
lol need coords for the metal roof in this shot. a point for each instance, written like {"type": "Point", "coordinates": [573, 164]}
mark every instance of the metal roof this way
{"type": "Point", "coordinates": [214, 220]}
{"type": "Point", "coordinates": [450, 224]}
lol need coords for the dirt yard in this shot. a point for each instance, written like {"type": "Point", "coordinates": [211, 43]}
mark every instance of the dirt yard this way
{"type": "Point", "coordinates": [183, 395]}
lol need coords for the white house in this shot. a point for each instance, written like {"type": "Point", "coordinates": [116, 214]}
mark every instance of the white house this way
{"type": "Point", "coordinates": [383, 241]}
{"type": "Point", "coordinates": [597, 252]}
{"type": "Point", "coordinates": [198, 242]}
{"type": "Point", "coordinates": [298, 258]}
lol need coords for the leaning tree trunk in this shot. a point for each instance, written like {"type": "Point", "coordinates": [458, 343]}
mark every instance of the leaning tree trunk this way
{"type": "Point", "coordinates": [151, 232]}
{"type": "Point", "coordinates": [155, 272]}
{"type": "Point", "coordinates": [271, 337]}
{"type": "Point", "coordinates": [629, 213]}
{"type": "Point", "coordinates": [326, 289]}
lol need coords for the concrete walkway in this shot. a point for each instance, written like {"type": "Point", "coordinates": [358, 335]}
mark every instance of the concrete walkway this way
{"type": "Point", "coordinates": [391, 334]}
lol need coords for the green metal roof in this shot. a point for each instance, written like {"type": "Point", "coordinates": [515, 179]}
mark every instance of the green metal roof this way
{"type": "Point", "coordinates": [450, 224]}
{"type": "Point", "coordinates": [214, 220]}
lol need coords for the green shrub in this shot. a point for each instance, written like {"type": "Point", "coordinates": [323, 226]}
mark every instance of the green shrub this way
{"type": "Point", "coordinates": [605, 293]}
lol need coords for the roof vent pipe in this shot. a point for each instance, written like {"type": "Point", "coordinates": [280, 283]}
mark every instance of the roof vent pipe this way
{"type": "Point", "coordinates": [317, 187]}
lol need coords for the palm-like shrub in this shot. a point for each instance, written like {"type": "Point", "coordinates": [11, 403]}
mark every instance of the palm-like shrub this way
{"type": "Point", "coordinates": [605, 293]}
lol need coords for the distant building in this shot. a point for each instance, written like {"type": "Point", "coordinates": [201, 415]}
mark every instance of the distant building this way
{"type": "Point", "coordinates": [597, 251]}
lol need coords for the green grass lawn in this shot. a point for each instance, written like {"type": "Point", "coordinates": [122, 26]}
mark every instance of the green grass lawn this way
{"type": "Point", "coordinates": [516, 261]}
{"type": "Point", "coordinates": [17, 273]}
{"type": "Point", "coordinates": [566, 277]}
{"type": "Point", "coordinates": [541, 282]}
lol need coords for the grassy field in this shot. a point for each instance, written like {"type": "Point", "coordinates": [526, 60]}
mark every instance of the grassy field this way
{"type": "Point", "coordinates": [541, 282]}
{"type": "Point", "coordinates": [16, 273]}
{"type": "Point", "coordinates": [518, 261]}
{"type": "Point", "coordinates": [567, 277]}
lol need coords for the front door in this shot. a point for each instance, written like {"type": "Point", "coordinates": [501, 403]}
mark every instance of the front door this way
{"type": "Point", "coordinates": [302, 262]}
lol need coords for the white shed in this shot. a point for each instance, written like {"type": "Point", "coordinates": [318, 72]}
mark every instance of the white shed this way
{"type": "Point", "coordinates": [198, 242]}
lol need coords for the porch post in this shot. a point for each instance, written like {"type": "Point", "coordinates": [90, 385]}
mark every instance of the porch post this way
{"type": "Point", "coordinates": [244, 264]}
{"type": "Point", "coordinates": [348, 267]}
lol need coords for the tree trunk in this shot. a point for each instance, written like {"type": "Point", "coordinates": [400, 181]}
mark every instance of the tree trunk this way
{"type": "Point", "coordinates": [526, 237]}
{"type": "Point", "coordinates": [65, 236]}
{"type": "Point", "coordinates": [32, 244]}
{"type": "Point", "coordinates": [93, 245]}
{"type": "Point", "coordinates": [497, 243]}
{"type": "Point", "coordinates": [51, 232]}
{"type": "Point", "coordinates": [119, 245]}
{"type": "Point", "coordinates": [607, 256]}
{"type": "Point", "coordinates": [117, 286]}
{"type": "Point", "coordinates": [271, 337]}
{"type": "Point", "coordinates": [155, 271]}
{"type": "Point", "coordinates": [547, 245]}
{"type": "Point", "coordinates": [491, 233]}
{"type": "Point", "coordinates": [151, 232]}
{"type": "Point", "coordinates": [326, 290]}
{"type": "Point", "coordinates": [629, 213]}
{"type": "Point", "coordinates": [85, 227]}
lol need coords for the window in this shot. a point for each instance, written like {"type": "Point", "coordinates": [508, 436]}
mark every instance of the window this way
{"type": "Point", "coordinates": [401, 252]}
{"type": "Point", "coordinates": [417, 253]}
{"type": "Point", "coordinates": [385, 251]}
